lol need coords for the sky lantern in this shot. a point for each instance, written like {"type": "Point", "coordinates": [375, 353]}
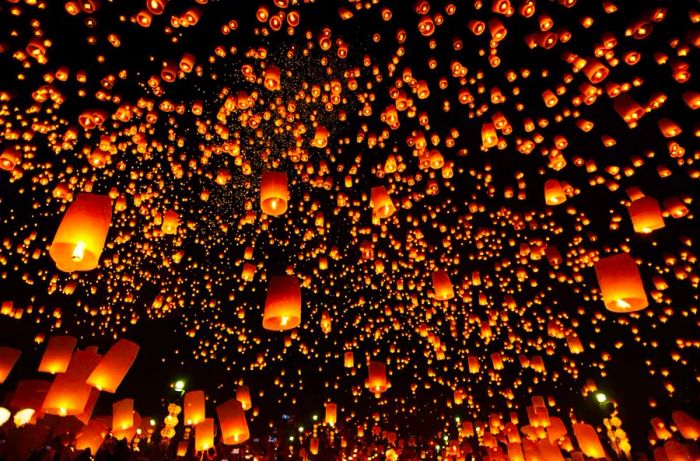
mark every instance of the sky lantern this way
{"type": "Point", "coordinates": [688, 426]}
{"type": "Point", "coordinates": [274, 193]}
{"type": "Point", "coordinates": [170, 222]}
{"type": "Point", "coordinates": [376, 377]}
{"type": "Point", "coordinates": [331, 414]}
{"type": "Point", "coordinates": [489, 137]}
{"type": "Point", "coordinates": [194, 407]}
{"type": "Point", "coordinates": [123, 414]}
{"type": "Point", "coordinates": [8, 358]}
{"type": "Point", "coordinates": [282, 304]}
{"type": "Point", "coordinates": [620, 283]}
{"type": "Point", "coordinates": [381, 203]}
{"type": "Point", "coordinates": [243, 396]}
{"type": "Point", "coordinates": [114, 365]}
{"type": "Point", "coordinates": [234, 427]}
{"type": "Point", "coordinates": [69, 394]}
{"type": "Point", "coordinates": [30, 393]}
{"type": "Point", "coordinates": [588, 441]}
{"type": "Point", "coordinates": [646, 215]}
{"type": "Point", "coordinates": [348, 359]}
{"type": "Point", "coordinates": [554, 192]}
{"type": "Point", "coordinates": [204, 435]}
{"type": "Point", "coordinates": [272, 78]}
{"type": "Point", "coordinates": [91, 436]}
{"type": "Point", "coordinates": [81, 236]}
{"type": "Point", "coordinates": [442, 285]}
{"type": "Point", "coordinates": [57, 354]}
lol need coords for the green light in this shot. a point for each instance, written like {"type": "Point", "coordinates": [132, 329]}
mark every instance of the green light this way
{"type": "Point", "coordinates": [601, 398]}
{"type": "Point", "coordinates": [458, 419]}
{"type": "Point", "coordinates": [179, 385]}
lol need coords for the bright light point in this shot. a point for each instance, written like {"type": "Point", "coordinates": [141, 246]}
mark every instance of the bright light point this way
{"type": "Point", "coordinates": [301, 429]}
{"type": "Point", "coordinates": [284, 320]}
{"type": "Point", "coordinates": [179, 385]}
{"type": "Point", "coordinates": [601, 398]}
{"type": "Point", "coordinates": [79, 251]}
{"type": "Point", "coordinates": [458, 419]}
{"type": "Point", "coordinates": [314, 417]}
{"type": "Point", "coordinates": [291, 438]}
{"type": "Point", "coordinates": [152, 422]}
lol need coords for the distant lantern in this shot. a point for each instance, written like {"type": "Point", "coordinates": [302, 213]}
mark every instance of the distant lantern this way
{"type": "Point", "coordinates": [114, 366]}
{"type": "Point", "coordinates": [282, 304]}
{"type": "Point", "coordinates": [81, 236]}
{"type": "Point", "coordinates": [194, 408]}
{"type": "Point", "coordinates": [313, 445]}
{"type": "Point", "coordinates": [442, 285]}
{"type": "Point", "coordinates": [620, 284]}
{"type": "Point", "coordinates": [123, 415]}
{"type": "Point", "coordinates": [8, 358]}
{"type": "Point", "coordinates": [204, 435]}
{"type": "Point", "coordinates": [489, 137]}
{"type": "Point", "coordinates": [376, 379]}
{"type": "Point", "coordinates": [588, 441]}
{"type": "Point", "coordinates": [554, 192]}
{"type": "Point", "coordinates": [349, 359]}
{"type": "Point", "coordinates": [331, 414]}
{"type": "Point", "coordinates": [381, 203]}
{"type": "Point", "coordinates": [646, 215]}
{"type": "Point", "coordinates": [243, 396]}
{"type": "Point", "coordinates": [234, 427]}
{"type": "Point", "coordinates": [272, 78]}
{"type": "Point", "coordinates": [57, 354]}
{"type": "Point", "coordinates": [170, 222]}
{"type": "Point", "coordinates": [274, 193]}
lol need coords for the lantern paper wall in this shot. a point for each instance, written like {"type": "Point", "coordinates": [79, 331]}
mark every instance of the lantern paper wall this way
{"type": "Point", "coordinates": [123, 414]}
{"type": "Point", "coordinates": [204, 435]}
{"type": "Point", "coordinates": [646, 215]}
{"type": "Point", "coordinates": [621, 284]}
{"type": "Point", "coordinates": [8, 358]}
{"type": "Point", "coordinates": [116, 363]}
{"type": "Point", "coordinates": [282, 304]}
{"type": "Point", "coordinates": [194, 408]}
{"type": "Point", "coordinates": [274, 193]}
{"type": "Point", "coordinates": [57, 354]}
{"type": "Point", "coordinates": [234, 427]}
{"type": "Point", "coordinates": [442, 285]}
{"type": "Point", "coordinates": [381, 203]}
{"type": "Point", "coordinates": [81, 236]}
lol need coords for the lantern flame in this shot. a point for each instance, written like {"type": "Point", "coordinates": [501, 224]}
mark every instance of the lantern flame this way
{"type": "Point", "coordinates": [79, 251]}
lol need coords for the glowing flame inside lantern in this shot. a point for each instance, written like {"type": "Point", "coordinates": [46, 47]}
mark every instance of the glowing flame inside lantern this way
{"type": "Point", "coordinates": [79, 251]}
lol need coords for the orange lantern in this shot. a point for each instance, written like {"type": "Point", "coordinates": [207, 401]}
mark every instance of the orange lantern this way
{"type": "Point", "coordinates": [442, 285]}
{"type": "Point", "coordinates": [331, 414]}
{"type": "Point", "coordinates": [243, 396]}
{"type": "Point", "coordinates": [57, 354]}
{"type": "Point", "coordinates": [170, 222]}
{"type": "Point", "coordinates": [621, 284]}
{"type": "Point", "coordinates": [588, 441]}
{"type": "Point", "coordinates": [234, 428]}
{"type": "Point", "coordinates": [349, 359]}
{"type": "Point", "coordinates": [274, 193]}
{"type": "Point", "coordinates": [272, 78]}
{"type": "Point", "coordinates": [553, 192]}
{"type": "Point", "coordinates": [489, 137]}
{"type": "Point", "coordinates": [82, 233]}
{"type": "Point", "coordinates": [8, 358]}
{"type": "Point", "coordinates": [376, 381]}
{"type": "Point", "coordinates": [194, 408]}
{"type": "Point", "coordinates": [646, 215]}
{"type": "Point", "coordinates": [381, 203]}
{"type": "Point", "coordinates": [688, 426]}
{"type": "Point", "coordinates": [282, 304]}
{"type": "Point", "coordinates": [114, 366]}
{"type": "Point", "coordinates": [91, 436]}
{"type": "Point", "coordinates": [204, 435]}
{"type": "Point", "coordinates": [123, 415]}
{"type": "Point", "coordinates": [69, 394]}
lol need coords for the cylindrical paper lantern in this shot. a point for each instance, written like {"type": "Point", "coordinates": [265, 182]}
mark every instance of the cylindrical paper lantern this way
{"type": "Point", "coordinates": [92, 436]}
{"type": "Point", "coordinates": [554, 192]}
{"type": "Point", "coordinates": [57, 355]}
{"type": "Point", "coordinates": [194, 405]}
{"type": "Point", "coordinates": [381, 203]}
{"type": "Point", "coordinates": [588, 440]}
{"type": "Point", "coordinates": [274, 193]}
{"type": "Point", "coordinates": [331, 414]}
{"type": "Point", "coordinates": [114, 366]}
{"type": "Point", "coordinates": [234, 428]}
{"type": "Point", "coordinates": [8, 358]}
{"type": "Point", "coordinates": [81, 236]}
{"type": "Point", "coordinates": [204, 435]}
{"type": "Point", "coordinates": [123, 414]}
{"type": "Point", "coordinates": [621, 284]}
{"type": "Point", "coordinates": [646, 215]}
{"type": "Point", "coordinates": [282, 304]}
{"type": "Point", "coordinates": [376, 381]}
{"type": "Point", "coordinates": [243, 396]}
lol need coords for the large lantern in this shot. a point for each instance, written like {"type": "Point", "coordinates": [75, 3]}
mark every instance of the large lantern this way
{"type": "Point", "coordinates": [646, 215]}
{"type": "Point", "coordinates": [194, 408]}
{"type": "Point", "coordinates": [331, 414]}
{"type": "Point", "coordinates": [123, 415]}
{"type": "Point", "coordinates": [282, 304]}
{"type": "Point", "coordinates": [376, 377]}
{"type": "Point", "coordinates": [69, 394]}
{"type": "Point", "coordinates": [57, 354]}
{"type": "Point", "coordinates": [114, 366]}
{"type": "Point", "coordinates": [621, 284]}
{"type": "Point", "coordinates": [274, 193]}
{"type": "Point", "coordinates": [588, 441]}
{"type": "Point", "coordinates": [234, 428]}
{"type": "Point", "coordinates": [82, 233]}
{"type": "Point", "coordinates": [91, 436]}
{"type": "Point", "coordinates": [8, 358]}
{"type": "Point", "coordinates": [442, 285]}
{"type": "Point", "coordinates": [381, 203]}
{"type": "Point", "coordinates": [204, 435]}
{"type": "Point", "coordinates": [554, 192]}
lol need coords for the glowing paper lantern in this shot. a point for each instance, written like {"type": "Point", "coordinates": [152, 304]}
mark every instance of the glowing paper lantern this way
{"type": "Point", "coordinates": [621, 284]}
{"type": "Point", "coordinates": [170, 222]}
{"type": "Point", "coordinates": [349, 359]}
{"type": "Point", "coordinates": [489, 137]}
{"type": "Point", "coordinates": [243, 396]}
{"type": "Point", "coordinates": [331, 414]}
{"type": "Point", "coordinates": [69, 394]}
{"type": "Point", "coordinates": [123, 415]}
{"type": "Point", "coordinates": [234, 428]}
{"type": "Point", "coordinates": [688, 426]}
{"type": "Point", "coordinates": [442, 285]}
{"type": "Point", "coordinates": [57, 354]}
{"type": "Point", "coordinates": [282, 304]}
{"type": "Point", "coordinates": [376, 381]}
{"type": "Point", "coordinates": [381, 203]}
{"type": "Point", "coordinates": [588, 440]}
{"type": "Point", "coordinates": [554, 192]}
{"type": "Point", "coordinates": [116, 363]}
{"type": "Point", "coordinates": [4, 415]}
{"type": "Point", "coordinates": [646, 215]}
{"type": "Point", "coordinates": [92, 436]}
{"type": "Point", "coordinates": [81, 236]}
{"type": "Point", "coordinates": [194, 408]}
{"type": "Point", "coordinates": [204, 435]}
{"type": "Point", "coordinates": [274, 193]}
{"type": "Point", "coordinates": [30, 393]}
{"type": "Point", "coordinates": [8, 358]}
